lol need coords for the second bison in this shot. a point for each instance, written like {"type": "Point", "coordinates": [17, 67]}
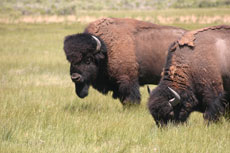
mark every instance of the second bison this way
{"type": "Point", "coordinates": [196, 77]}
{"type": "Point", "coordinates": [118, 55]}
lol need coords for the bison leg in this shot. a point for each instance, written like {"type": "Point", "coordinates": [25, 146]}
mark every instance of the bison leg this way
{"type": "Point", "coordinates": [226, 98]}
{"type": "Point", "coordinates": [129, 93]}
{"type": "Point", "coordinates": [226, 102]}
{"type": "Point", "coordinates": [214, 109]}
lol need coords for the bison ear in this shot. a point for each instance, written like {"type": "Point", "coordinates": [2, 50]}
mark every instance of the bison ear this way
{"type": "Point", "coordinates": [99, 57]}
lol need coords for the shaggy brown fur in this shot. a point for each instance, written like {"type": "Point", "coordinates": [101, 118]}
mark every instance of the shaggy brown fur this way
{"type": "Point", "coordinates": [198, 68]}
{"type": "Point", "coordinates": [134, 53]}
{"type": "Point", "coordinates": [128, 39]}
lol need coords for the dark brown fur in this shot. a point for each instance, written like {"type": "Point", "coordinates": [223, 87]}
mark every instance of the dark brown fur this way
{"type": "Point", "coordinates": [198, 68]}
{"type": "Point", "coordinates": [134, 53]}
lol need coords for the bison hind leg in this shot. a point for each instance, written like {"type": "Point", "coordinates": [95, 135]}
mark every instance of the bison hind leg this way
{"type": "Point", "coordinates": [129, 93]}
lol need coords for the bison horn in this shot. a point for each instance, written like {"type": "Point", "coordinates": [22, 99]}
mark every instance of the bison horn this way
{"type": "Point", "coordinates": [176, 100]}
{"type": "Point", "coordinates": [98, 43]}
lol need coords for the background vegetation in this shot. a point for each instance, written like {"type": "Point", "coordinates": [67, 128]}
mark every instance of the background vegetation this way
{"type": "Point", "coordinates": [40, 112]}
{"type": "Point", "coordinates": [66, 7]}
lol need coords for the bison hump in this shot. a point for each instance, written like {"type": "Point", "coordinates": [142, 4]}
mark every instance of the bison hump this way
{"type": "Point", "coordinates": [189, 37]}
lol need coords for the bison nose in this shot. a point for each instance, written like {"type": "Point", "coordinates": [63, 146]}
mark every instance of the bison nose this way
{"type": "Point", "coordinates": [76, 77]}
{"type": "Point", "coordinates": [171, 114]}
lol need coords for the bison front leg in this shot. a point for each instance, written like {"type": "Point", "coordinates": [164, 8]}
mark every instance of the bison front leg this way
{"type": "Point", "coordinates": [214, 109]}
{"type": "Point", "coordinates": [129, 93]}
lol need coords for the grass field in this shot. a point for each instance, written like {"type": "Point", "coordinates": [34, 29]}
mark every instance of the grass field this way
{"type": "Point", "coordinates": [40, 112]}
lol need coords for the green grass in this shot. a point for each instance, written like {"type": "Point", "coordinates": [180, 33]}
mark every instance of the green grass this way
{"type": "Point", "coordinates": [40, 112]}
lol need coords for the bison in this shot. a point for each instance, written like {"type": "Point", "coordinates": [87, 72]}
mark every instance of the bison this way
{"type": "Point", "coordinates": [118, 55]}
{"type": "Point", "coordinates": [196, 77]}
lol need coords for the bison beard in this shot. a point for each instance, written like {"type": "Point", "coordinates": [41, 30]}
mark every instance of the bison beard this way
{"type": "Point", "coordinates": [81, 89]}
{"type": "Point", "coordinates": [197, 69]}
{"type": "Point", "coordinates": [118, 55]}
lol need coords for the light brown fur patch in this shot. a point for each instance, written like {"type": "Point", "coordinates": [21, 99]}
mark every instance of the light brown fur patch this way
{"type": "Point", "coordinates": [189, 37]}
{"type": "Point", "coordinates": [172, 70]}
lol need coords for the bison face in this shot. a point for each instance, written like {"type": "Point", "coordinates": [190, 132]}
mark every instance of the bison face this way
{"type": "Point", "coordinates": [82, 74]}
{"type": "Point", "coordinates": [160, 109]}
{"type": "Point", "coordinates": [83, 53]}
{"type": "Point", "coordinates": [165, 106]}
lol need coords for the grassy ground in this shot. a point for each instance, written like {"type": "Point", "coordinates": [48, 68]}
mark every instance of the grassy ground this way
{"type": "Point", "coordinates": [40, 112]}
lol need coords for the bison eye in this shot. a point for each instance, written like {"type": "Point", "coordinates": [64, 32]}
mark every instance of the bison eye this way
{"type": "Point", "coordinates": [88, 60]}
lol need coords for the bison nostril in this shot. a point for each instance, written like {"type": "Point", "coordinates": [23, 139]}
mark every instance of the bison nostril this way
{"type": "Point", "coordinates": [76, 76]}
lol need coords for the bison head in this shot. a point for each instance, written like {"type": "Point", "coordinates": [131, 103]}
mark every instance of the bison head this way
{"type": "Point", "coordinates": [85, 53]}
{"type": "Point", "coordinates": [165, 105]}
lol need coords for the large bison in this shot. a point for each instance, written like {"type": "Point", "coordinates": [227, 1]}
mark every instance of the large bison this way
{"type": "Point", "coordinates": [118, 55]}
{"type": "Point", "coordinates": [196, 77]}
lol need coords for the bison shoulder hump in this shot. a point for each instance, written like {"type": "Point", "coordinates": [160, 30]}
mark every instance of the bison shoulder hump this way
{"type": "Point", "coordinates": [189, 37]}
{"type": "Point", "coordinates": [98, 25]}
